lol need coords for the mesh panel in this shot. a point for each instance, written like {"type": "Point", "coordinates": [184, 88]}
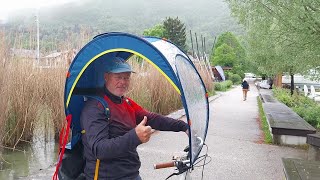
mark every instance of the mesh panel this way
{"type": "Point", "coordinates": [194, 93]}
{"type": "Point", "coordinates": [169, 51]}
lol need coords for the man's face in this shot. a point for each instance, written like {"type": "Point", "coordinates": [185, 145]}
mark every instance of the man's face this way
{"type": "Point", "coordinates": [117, 83]}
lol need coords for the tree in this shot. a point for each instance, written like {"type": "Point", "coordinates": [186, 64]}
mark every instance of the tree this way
{"type": "Point", "coordinates": [283, 36]}
{"type": "Point", "coordinates": [240, 63]}
{"type": "Point", "coordinates": [231, 40]}
{"type": "Point", "coordinates": [175, 31]}
{"type": "Point", "coordinates": [156, 31]}
{"type": "Point", "coordinates": [224, 56]}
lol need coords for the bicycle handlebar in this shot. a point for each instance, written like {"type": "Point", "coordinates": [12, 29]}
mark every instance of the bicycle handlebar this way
{"type": "Point", "coordinates": [164, 165]}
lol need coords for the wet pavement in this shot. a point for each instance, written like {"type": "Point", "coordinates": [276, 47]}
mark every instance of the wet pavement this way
{"type": "Point", "coordinates": [235, 145]}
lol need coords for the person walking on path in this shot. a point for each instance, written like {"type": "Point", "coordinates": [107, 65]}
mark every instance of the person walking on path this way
{"type": "Point", "coordinates": [245, 89]}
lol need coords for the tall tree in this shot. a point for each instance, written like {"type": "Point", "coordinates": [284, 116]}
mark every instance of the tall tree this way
{"type": "Point", "coordinates": [226, 41]}
{"type": "Point", "coordinates": [175, 31]}
{"type": "Point", "coordinates": [283, 36]}
{"type": "Point", "coordinates": [229, 39]}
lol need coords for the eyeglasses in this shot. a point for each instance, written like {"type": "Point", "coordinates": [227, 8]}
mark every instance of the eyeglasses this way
{"type": "Point", "coordinates": [119, 78]}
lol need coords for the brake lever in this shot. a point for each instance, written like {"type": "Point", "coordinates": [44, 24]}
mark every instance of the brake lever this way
{"type": "Point", "coordinates": [186, 149]}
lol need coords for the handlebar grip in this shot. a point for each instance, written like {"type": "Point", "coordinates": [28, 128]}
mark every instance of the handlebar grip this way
{"type": "Point", "coordinates": [164, 165]}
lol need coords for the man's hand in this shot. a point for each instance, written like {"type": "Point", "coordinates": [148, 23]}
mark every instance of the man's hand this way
{"type": "Point", "coordinates": [143, 132]}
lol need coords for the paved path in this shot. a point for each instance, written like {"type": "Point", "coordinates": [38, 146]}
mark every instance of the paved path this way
{"type": "Point", "coordinates": [234, 141]}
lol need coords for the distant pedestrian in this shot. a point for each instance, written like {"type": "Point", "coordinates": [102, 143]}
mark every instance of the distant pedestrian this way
{"type": "Point", "coordinates": [245, 89]}
{"type": "Point", "coordinates": [270, 83]}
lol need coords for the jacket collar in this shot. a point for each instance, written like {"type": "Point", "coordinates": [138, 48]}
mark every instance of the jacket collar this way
{"type": "Point", "coordinates": [112, 97]}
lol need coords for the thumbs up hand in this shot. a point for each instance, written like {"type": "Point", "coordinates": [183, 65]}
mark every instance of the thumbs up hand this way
{"type": "Point", "coordinates": [143, 132]}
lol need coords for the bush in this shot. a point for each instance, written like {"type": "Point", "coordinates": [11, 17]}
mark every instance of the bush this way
{"type": "Point", "coordinates": [310, 114]}
{"type": "Point", "coordinates": [286, 99]}
{"type": "Point", "coordinates": [303, 106]}
{"type": "Point", "coordinates": [235, 78]}
{"type": "Point", "coordinates": [228, 74]}
{"type": "Point", "coordinates": [313, 116]}
{"type": "Point", "coordinates": [223, 86]}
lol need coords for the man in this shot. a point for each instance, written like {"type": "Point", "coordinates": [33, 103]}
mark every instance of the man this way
{"type": "Point", "coordinates": [110, 146]}
{"type": "Point", "coordinates": [245, 89]}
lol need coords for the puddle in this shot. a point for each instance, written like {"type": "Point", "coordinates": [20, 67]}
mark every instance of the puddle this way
{"type": "Point", "coordinates": [29, 158]}
{"type": "Point", "coordinates": [32, 158]}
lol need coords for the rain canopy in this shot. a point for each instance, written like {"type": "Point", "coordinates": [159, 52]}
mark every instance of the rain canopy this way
{"type": "Point", "coordinates": [85, 75]}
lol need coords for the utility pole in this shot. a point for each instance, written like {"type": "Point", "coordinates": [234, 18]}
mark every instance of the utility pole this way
{"type": "Point", "coordinates": [202, 47]}
{"type": "Point", "coordinates": [198, 53]}
{"type": "Point", "coordinates": [191, 43]}
{"type": "Point", "coordinates": [38, 37]}
{"type": "Point", "coordinates": [207, 60]}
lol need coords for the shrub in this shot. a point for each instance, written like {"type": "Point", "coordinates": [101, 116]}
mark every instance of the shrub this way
{"type": "Point", "coordinates": [311, 114]}
{"type": "Point", "coordinates": [303, 106]}
{"type": "Point", "coordinates": [228, 75]}
{"type": "Point", "coordinates": [235, 78]}
{"type": "Point", "coordinates": [223, 86]}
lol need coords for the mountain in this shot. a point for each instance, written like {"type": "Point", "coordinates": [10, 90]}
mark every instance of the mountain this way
{"type": "Point", "coordinates": [208, 18]}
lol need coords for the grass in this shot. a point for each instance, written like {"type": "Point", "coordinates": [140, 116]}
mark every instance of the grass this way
{"type": "Point", "coordinates": [264, 123]}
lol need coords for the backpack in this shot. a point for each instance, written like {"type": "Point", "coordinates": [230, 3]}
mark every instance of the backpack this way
{"type": "Point", "coordinates": [71, 160]}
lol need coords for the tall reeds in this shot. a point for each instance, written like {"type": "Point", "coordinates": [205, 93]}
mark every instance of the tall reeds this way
{"type": "Point", "coordinates": [206, 76]}
{"type": "Point", "coordinates": [151, 89]}
{"type": "Point", "coordinates": [26, 93]}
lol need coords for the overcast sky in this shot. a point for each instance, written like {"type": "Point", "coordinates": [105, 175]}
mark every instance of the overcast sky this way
{"type": "Point", "coordinates": [9, 6]}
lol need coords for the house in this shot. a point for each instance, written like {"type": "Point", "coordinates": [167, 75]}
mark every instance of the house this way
{"type": "Point", "coordinates": [23, 53]}
{"type": "Point", "coordinates": [62, 58]}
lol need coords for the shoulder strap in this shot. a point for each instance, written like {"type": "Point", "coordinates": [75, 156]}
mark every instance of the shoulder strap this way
{"type": "Point", "coordinates": [107, 112]}
{"type": "Point", "coordinates": [104, 104]}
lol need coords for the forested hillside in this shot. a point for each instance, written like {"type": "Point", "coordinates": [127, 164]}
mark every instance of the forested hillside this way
{"type": "Point", "coordinates": [205, 17]}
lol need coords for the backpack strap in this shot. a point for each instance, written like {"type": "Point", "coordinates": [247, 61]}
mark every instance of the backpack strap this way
{"type": "Point", "coordinates": [104, 104]}
{"type": "Point", "coordinates": [64, 143]}
{"type": "Point", "coordinates": [107, 112]}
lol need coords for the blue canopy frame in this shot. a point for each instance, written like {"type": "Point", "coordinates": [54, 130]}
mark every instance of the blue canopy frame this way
{"type": "Point", "coordinates": [87, 68]}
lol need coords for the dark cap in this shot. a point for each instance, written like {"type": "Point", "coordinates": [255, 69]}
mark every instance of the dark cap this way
{"type": "Point", "coordinates": [119, 65]}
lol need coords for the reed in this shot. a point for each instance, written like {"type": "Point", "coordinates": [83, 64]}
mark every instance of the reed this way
{"type": "Point", "coordinates": [152, 91]}
{"type": "Point", "coordinates": [206, 77]}
{"type": "Point", "coordinates": [26, 93]}
{"type": "Point", "coordinates": [150, 88]}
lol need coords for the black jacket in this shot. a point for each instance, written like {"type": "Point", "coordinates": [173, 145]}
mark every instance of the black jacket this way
{"type": "Point", "coordinates": [115, 141]}
{"type": "Point", "coordinates": [245, 85]}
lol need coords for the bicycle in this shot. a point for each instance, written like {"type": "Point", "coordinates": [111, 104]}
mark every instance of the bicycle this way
{"type": "Point", "coordinates": [183, 164]}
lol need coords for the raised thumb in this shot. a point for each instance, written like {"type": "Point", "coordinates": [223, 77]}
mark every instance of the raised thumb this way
{"type": "Point", "coordinates": [144, 121]}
